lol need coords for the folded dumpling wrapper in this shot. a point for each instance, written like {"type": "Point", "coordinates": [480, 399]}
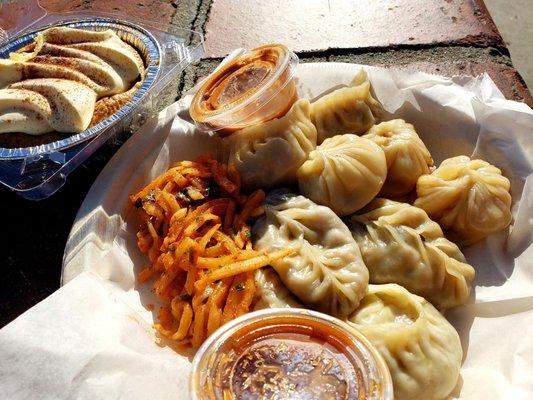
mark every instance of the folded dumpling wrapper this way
{"type": "Point", "coordinates": [92, 338]}
{"type": "Point", "coordinates": [401, 244]}
{"type": "Point", "coordinates": [421, 348]}
{"type": "Point", "coordinates": [326, 270]}
{"type": "Point", "coordinates": [71, 68]}
{"type": "Point", "coordinates": [349, 109]}
{"type": "Point", "coordinates": [268, 154]}
{"type": "Point", "coordinates": [100, 60]}
{"type": "Point", "coordinates": [468, 198]}
{"type": "Point", "coordinates": [344, 173]}
{"type": "Point", "coordinates": [407, 156]}
{"type": "Point", "coordinates": [72, 103]}
{"type": "Point", "coordinates": [24, 111]}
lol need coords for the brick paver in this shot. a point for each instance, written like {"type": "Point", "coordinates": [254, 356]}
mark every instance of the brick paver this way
{"type": "Point", "coordinates": [315, 25]}
{"type": "Point", "coordinates": [160, 11]}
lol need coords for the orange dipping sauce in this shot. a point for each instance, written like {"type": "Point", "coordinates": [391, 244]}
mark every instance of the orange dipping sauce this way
{"type": "Point", "coordinates": [255, 87]}
{"type": "Point", "coordinates": [289, 354]}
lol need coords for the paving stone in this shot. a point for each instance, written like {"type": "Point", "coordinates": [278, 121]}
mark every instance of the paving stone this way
{"type": "Point", "coordinates": [185, 13]}
{"type": "Point", "coordinates": [201, 16]}
{"type": "Point", "coordinates": [160, 11]}
{"type": "Point", "coordinates": [191, 14]}
{"type": "Point", "coordinates": [14, 16]}
{"type": "Point", "coordinates": [313, 25]}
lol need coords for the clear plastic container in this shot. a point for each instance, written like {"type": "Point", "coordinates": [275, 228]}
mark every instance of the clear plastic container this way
{"type": "Point", "coordinates": [37, 172]}
{"type": "Point", "coordinates": [256, 86]}
{"type": "Point", "coordinates": [289, 354]}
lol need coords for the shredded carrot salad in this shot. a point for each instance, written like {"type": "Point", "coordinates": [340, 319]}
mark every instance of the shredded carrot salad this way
{"type": "Point", "coordinates": [195, 233]}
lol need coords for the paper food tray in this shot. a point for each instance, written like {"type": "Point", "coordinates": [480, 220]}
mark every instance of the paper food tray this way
{"type": "Point", "coordinates": [93, 338]}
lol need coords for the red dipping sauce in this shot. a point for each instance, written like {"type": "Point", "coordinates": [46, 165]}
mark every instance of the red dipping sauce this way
{"type": "Point", "coordinates": [255, 87]}
{"type": "Point", "coordinates": [289, 354]}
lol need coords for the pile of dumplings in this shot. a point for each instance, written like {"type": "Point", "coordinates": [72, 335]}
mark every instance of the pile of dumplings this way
{"type": "Point", "coordinates": [376, 229]}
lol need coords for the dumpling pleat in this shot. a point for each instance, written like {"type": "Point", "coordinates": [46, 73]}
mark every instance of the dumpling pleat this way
{"type": "Point", "coordinates": [401, 244]}
{"type": "Point", "coordinates": [470, 199]}
{"type": "Point", "coordinates": [422, 350]}
{"type": "Point", "coordinates": [326, 271]}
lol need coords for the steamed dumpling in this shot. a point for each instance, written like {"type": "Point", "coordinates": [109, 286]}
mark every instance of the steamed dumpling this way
{"type": "Point", "coordinates": [268, 154]}
{"type": "Point", "coordinates": [326, 271]}
{"type": "Point", "coordinates": [400, 244]}
{"type": "Point", "coordinates": [271, 292]}
{"type": "Point", "coordinates": [469, 198]}
{"type": "Point", "coordinates": [344, 173]}
{"type": "Point", "coordinates": [407, 156]}
{"type": "Point", "coordinates": [421, 348]}
{"type": "Point", "coordinates": [349, 109]}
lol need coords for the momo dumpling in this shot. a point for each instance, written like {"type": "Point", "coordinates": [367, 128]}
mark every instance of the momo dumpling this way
{"type": "Point", "coordinates": [407, 156]}
{"type": "Point", "coordinates": [350, 109]}
{"type": "Point", "coordinates": [422, 350]}
{"type": "Point", "coordinates": [326, 271]}
{"type": "Point", "coordinates": [470, 199]}
{"type": "Point", "coordinates": [271, 292]}
{"type": "Point", "coordinates": [344, 173]}
{"type": "Point", "coordinates": [400, 244]}
{"type": "Point", "coordinates": [268, 154]}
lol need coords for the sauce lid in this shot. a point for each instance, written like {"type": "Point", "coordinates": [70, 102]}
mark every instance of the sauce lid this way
{"type": "Point", "coordinates": [254, 87]}
{"type": "Point", "coordinates": [289, 354]}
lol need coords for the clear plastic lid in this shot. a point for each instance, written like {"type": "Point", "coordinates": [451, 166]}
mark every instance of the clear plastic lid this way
{"type": "Point", "coordinates": [36, 172]}
{"type": "Point", "coordinates": [289, 354]}
{"type": "Point", "coordinates": [256, 86]}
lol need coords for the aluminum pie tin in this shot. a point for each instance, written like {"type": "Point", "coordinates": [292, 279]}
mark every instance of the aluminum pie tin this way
{"type": "Point", "coordinates": [143, 41]}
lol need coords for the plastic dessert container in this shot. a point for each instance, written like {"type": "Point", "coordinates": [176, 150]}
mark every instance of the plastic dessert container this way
{"type": "Point", "coordinates": [254, 87]}
{"type": "Point", "coordinates": [37, 172]}
{"type": "Point", "coordinates": [288, 354]}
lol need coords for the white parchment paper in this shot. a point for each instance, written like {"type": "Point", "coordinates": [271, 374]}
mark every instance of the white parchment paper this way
{"type": "Point", "coordinates": [93, 339]}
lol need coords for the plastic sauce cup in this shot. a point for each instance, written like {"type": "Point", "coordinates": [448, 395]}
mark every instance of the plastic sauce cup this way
{"type": "Point", "coordinates": [288, 354]}
{"type": "Point", "coordinates": [255, 87]}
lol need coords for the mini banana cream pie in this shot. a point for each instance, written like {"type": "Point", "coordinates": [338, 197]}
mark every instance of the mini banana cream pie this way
{"type": "Point", "coordinates": [66, 81]}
